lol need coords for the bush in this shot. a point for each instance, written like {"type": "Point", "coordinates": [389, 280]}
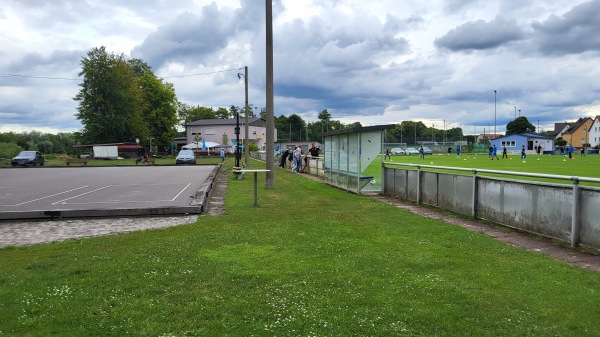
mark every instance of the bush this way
{"type": "Point", "coordinates": [9, 150]}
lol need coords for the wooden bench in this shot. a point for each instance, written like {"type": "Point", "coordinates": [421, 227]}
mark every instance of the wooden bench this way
{"type": "Point", "coordinates": [83, 161]}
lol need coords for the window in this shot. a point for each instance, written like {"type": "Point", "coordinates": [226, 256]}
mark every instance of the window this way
{"type": "Point", "coordinates": [210, 131]}
{"type": "Point", "coordinates": [508, 143]}
{"type": "Point", "coordinates": [196, 131]}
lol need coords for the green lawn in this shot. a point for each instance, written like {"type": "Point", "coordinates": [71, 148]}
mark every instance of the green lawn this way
{"type": "Point", "coordinates": [588, 166]}
{"type": "Point", "coordinates": [310, 261]}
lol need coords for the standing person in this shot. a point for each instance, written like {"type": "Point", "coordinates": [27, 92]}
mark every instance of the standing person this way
{"type": "Point", "coordinates": [298, 158]}
{"type": "Point", "coordinates": [290, 157]}
{"type": "Point", "coordinates": [449, 150]}
{"type": "Point", "coordinates": [458, 151]}
{"type": "Point", "coordinates": [538, 149]}
{"type": "Point", "coordinates": [494, 152]}
{"type": "Point", "coordinates": [504, 155]}
{"type": "Point", "coordinates": [582, 152]}
{"type": "Point", "coordinates": [387, 154]}
{"type": "Point", "coordinates": [523, 154]}
{"type": "Point", "coordinates": [570, 151]}
{"type": "Point", "coordinates": [222, 155]}
{"type": "Point", "coordinates": [284, 157]}
{"type": "Point", "coordinates": [490, 149]}
{"type": "Point", "coordinates": [314, 153]}
{"type": "Point", "coordinates": [421, 153]}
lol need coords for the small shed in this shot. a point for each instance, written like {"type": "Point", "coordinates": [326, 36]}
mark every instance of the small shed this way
{"type": "Point", "coordinates": [352, 157]}
{"type": "Point", "coordinates": [514, 143]}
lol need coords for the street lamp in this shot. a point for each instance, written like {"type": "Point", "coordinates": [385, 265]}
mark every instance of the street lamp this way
{"type": "Point", "coordinates": [495, 112]}
{"type": "Point", "coordinates": [246, 140]}
{"type": "Point", "coordinates": [515, 111]}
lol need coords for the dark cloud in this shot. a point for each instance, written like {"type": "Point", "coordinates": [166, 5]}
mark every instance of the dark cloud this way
{"type": "Point", "coordinates": [480, 35]}
{"type": "Point", "coordinates": [576, 31]}
{"type": "Point", "coordinates": [57, 62]}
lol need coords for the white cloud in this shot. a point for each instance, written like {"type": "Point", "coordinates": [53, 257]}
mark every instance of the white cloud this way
{"type": "Point", "coordinates": [368, 61]}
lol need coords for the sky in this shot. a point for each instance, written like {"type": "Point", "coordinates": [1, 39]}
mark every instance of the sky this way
{"type": "Point", "coordinates": [474, 64]}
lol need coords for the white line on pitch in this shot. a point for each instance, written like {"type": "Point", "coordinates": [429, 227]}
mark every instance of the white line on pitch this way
{"type": "Point", "coordinates": [77, 196]}
{"type": "Point", "coordinates": [53, 195]}
{"type": "Point", "coordinates": [178, 194]}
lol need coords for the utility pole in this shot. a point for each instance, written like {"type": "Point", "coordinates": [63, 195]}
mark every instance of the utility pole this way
{"type": "Point", "coordinates": [270, 99]}
{"type": "Point", "coordinates": [246, 136]}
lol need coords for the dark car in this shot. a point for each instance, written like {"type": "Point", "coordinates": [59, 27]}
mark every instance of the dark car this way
{"type": "Point", "coordinates": [185, 157]}
{"type": "Point", "coordinates": [28, 158]}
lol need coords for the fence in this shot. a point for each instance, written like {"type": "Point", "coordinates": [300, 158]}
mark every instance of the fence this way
{"type": "Point", "coordinates": [569, 213]}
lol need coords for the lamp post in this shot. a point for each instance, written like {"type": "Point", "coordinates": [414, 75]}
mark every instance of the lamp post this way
{"type": "Point", "coordinates": [515, 111]}
{"type": "Point", "coordinates": [238, 155]}
{"type": "Point", "coordinates": [495, 112]}
{"type": "Point", "coordinates": [519, 112]}
{"type": "Point", "coordinates": [246, 140]}
{"type": "Point", "coordinates": [415, 134]}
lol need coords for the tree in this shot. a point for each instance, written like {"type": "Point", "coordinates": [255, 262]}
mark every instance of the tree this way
{"type": "Point", "coordinates": [188, 114]}
{"type": "Point", "coordinates": [159, 112]}
{"type": "Point", "coordinates": [519, 125]}
{"type": "Point", "coordinates": [110, 99]}
{"type": "Point", "coordinates": [223, 113]}
{"type": "Point", "coordinates": [325, 117]}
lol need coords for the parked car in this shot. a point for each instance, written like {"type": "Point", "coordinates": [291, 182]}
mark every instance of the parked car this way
{"type": "Point", "coordinates": [397, 151]}
{"type": "Point", "coordinates": [412, 150]}
{"type": "Point", "coordinates": [186, 157]}
{"type": "Point", "coordinates": [427, 150]}
{"type": "Point", "coordinates": [28, 158]}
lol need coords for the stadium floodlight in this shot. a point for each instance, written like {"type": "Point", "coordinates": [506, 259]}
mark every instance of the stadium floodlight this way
{"type": "Point", "coordinates": [495, 113]}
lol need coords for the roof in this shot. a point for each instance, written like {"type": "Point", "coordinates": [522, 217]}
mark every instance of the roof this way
{"type": "Point", "coordinates": [221, 121]}
{"type": "Point", "coordinates": [577, 125]}
{"type": "Point", "coordinates": [527, 135]}
{"type": "Point", "coordinates": [357, 130]}
{"type": "Point", "coordinates": [559, 127]}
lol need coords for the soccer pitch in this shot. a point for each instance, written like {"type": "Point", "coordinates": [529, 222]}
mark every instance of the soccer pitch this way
{"type": "Point", "coordinates": [579, 166]}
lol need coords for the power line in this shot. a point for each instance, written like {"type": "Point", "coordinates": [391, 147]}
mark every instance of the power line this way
{"type": "Point", "coordinates": [78, 79]}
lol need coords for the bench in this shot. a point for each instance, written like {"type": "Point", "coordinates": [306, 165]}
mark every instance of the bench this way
{"type": "Point", "coordinates": [146, 160]}
{"type": "Point", "coordinates": [83, 161]}
{"type": "Point", "coordinates": [351, 178]}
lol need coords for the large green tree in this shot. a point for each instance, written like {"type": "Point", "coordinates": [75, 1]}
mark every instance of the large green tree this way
{"type": "Point", "coordinates": [110, 100]}
{"type": "Point", "coordinates": [519, 125]}
{"type": "Point", "coordinates": [160, 112]}
{"type": "Point", "coordinates": [188, 113]}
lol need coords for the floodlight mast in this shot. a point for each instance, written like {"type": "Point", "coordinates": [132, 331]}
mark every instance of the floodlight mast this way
{"type": "Point", "coordinates": [270, 141]}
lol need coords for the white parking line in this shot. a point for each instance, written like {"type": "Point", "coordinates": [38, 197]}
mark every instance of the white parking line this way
{"type": "Point", "coordinates": [77, 196]}
{"type": "Point", "coordinates": [53, 195]}
{"type": "Point", "coordinates": [178, 194]}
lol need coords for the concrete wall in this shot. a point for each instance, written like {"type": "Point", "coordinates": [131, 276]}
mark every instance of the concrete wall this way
{"type": "Point", "coordinates": [542, 208]}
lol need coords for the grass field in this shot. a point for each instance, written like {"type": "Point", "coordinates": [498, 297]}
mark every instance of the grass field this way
{"type": "Point", "coordinates": [310, 261]}
{"type": "Point", "coordinates": [588, 166]}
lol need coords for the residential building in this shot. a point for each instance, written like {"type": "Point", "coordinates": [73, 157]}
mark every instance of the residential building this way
{"type": "Point", "coordinates": [594, 135]}
{"type": "Point", "coordinates": [222, 131]}
{"type": "Point", "coordinates": [485, 137]}
{"type": "Point", "coordinates": [514, 143]}
{"type": "Point", "coordinates": [578, 132]}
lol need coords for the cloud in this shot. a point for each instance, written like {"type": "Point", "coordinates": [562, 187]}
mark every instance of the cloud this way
{"type": "Point", "coordinates": [480, 35]}
{"type": "Point", "coordinates": [577, 31]}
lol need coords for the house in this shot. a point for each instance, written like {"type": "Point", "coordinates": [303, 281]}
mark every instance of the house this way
{"type": "Point", "coordinates": [222, 131]}
{"type": "Point", "coordinates": [594, 135]}
{"type": "Point", "coordinates": [485, 137]}
{"type": "Point", "coordinates": [560, 128]}
{"type": "Point", "coordinates": [530, 141]}
{"type": "Point", "coordinates": [578, 132]}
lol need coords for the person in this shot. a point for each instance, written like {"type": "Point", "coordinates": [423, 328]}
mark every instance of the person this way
{"type": "Point", "coordinates": [504, 154]}
{"type": "Point", "coordinates": [305, 164]}
{"type": "Point", "coordinates": [290, 157]}
{"type": "Point", "coordinates": [562, 151]}
{"type": "Point", "coordinates": [538, 149]}
{"type": "Point", "coordinates": [582, 152]}
{"type": "Point", "coordinates": [449, 150]}
{"type": "Point", "coordinates": [523, 154]}
{"type": "Point", "coordinates": [222, 155]}
{"type": "Point", "coordinates": [570, 151]}
{"type": "Point", "coordinates": [458, 151]}
{"type": "Point", "coordinates": [490, 149]}
{"type": "Point", "coordinates": [495, 152]}
{"type": "Point", "coordinates": [314, 151]}
{"type": "Point", "coordinates": [284, 157]}
{"type": "Point", "coordinates": [297, 158]}
{"type": "Point", "coordinates": [387, 154]}
{"type": "Point", "coordinates": [421, 153]}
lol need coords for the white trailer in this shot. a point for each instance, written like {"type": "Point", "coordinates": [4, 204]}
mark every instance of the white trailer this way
{"type": "Point", "coordinates": [106, 152]}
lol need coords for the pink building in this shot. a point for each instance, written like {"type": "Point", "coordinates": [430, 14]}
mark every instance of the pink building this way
{"type": "Point", "coordinates": [222, 131]}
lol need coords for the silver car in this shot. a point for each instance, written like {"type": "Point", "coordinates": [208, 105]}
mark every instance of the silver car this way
{"type": "Point", "coordinates": [186, 157]}
{"type": "Point", "coordinates": [397, 151]}
{"type": "Point", "coordinates": [412, 150]}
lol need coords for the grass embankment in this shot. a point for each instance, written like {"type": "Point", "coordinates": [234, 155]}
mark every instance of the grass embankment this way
{"type": "Point", "coordinates": [309, 261]}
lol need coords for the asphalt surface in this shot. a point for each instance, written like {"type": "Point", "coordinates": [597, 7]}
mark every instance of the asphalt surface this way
{"type": "Point", "coordinates": [102, 191]}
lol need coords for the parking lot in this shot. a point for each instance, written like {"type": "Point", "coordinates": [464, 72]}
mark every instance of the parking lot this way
{"type": "Point", "coordinates": [43, 192]}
